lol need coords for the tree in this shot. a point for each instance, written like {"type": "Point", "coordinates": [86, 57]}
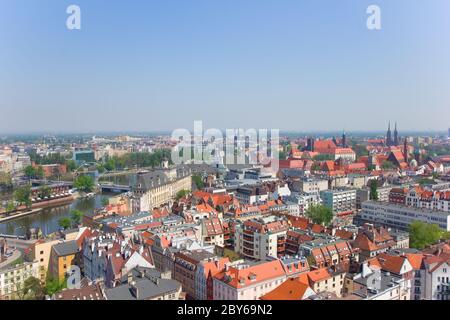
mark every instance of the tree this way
{"type": "Point", "coordinates": [373, 190]}
{"type": "Point", "coordinates": [53, 286]}
{"type": "Point", "coordinates": [65, 223]}
{"type": "Point", "coordinates": [30, 172]}
{"type": "Point", "coordinates": [84, 183]}
{"type": "Point", "coordinates": [23, 196]}
{"type": "Point", "coordinates": [323, 157]}
{"type": "Point", "coordinates": [10, 206]}
{"type": "Point", "coordinates": [39, 173]}
{"type": "Point", "coordinates": [100, 168]}
{"type": "Point", "coordinates": [45, 192]}
{"type": "Point", "coordinates": [320, 214]}
{"type": "Point", "coordinates": [198, 180]}
{"type": "Point", "coordinates": [423, 234]}
{"type": "Point", "coordinates": [182, 194]}
{"type": "Point", "coordinates": [76, 216]}
{"type": "Point", "coordinates": [32, 289]}
{"type": "Point", "coordinates": [105, 201]}
{"type": "Point", "coordinates": [71, 165]}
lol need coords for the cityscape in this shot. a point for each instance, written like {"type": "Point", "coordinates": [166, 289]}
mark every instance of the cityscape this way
{"type": "Point", "coordinates": [317, 194]}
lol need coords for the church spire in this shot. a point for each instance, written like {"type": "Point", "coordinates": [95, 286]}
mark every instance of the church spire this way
{"type": "Point", "coordinates": [396, 139]}
{"type": "Point", "coordinates": [389, 135]}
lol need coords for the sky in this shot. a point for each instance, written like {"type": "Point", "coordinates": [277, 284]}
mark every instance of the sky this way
{"type": "Point", "coordinates": [155, 65]}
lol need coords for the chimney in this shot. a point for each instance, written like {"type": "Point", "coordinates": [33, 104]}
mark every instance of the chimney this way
{"type": "Point", "coordinates": [134, 290]}
{"type": "Point", "coordinates": [130, 278]}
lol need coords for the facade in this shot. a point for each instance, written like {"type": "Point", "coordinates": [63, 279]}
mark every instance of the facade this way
{"type": "Point", "coordinates": [258, 239]}
{"type": "Point", "coordinates": [61, 259]}
{"type": "Point", "coordinates": [251, 195]}
{"type": "Point", "coordinates": [185, 270]}
{"type": "Point", "coordinates": [157, 188]}
{"type": "Point", "coordinates": [12, 278]}
{"type": "Point", "coordinates": [313, 185]}
{"type": "Point", "coordinates": [400, 217]}
{"type": "Point", "coordinates": [145, 284]}
{"type": "Point", "coordinates": [363, 194]}
{"type": "Point", "coordinates": [428, 199]}
{"type": "Point", "coordinates": [339, 201]}
{"type": "Point", "coordinates": [248, 281]}
{"type": "Point", "coordinates": [304, 201]}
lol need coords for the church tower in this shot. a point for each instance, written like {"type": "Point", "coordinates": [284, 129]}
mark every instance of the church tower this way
{"type": "Point", "coordinates": [389, 136]}
{"type": "Point", "coordinates": [344, 140]}
{"type": "Point", "coordinates": [405, 150]}
{"type": "Point", "coordinates": [396, 140]}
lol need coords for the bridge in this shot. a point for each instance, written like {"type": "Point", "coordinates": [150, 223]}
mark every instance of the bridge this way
{"type": "Point", "coordinates": [116, 188]}
{"type": "Point", "coordinates": [36, 182]}
{"type": "Point", "coordinates": [11, 236]}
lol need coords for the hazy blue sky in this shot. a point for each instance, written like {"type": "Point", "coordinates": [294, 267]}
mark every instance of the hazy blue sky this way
{"type": "Point", "coordinates": [287, 64]}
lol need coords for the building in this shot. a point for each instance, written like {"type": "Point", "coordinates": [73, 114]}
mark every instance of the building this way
{"type": "Point", "coordinates": [325, 280]}
{"type": "Point", "coordinates": [258, 239]}
{"type": "Point", "coordinates": [185, 270]}
{"type": "Point", "coordinates": [428, 199]}
{"type": "Point", "coordinates": [309, 185]}
{"type": "Point", "coordinates": [375, 285]}
{"type": "Point", "coordinates": [12, 278]}
{"type": "Point", "coordinates": [363, 195]}
{"type": "Point", "coordinates": [292, 289]}
{"type": "Point", "coordinates": [90, 292]}
{"type": "Point", "coordinates": [145, 284]}
{"type": "Point", "coordinates": [251, 194]}
{"type": "Point", "coordinates": [248, 281]}
{"type": "Point", "coordinates": [108, 257]}
{"type": "Point", "coordinates": [327, 251]}
{"type": "Point", "coordinates": [205, 273]}
{"type": "Point", "coordinates": [372, 241]}
{"type": "Point", "coordinates": [303, 201]}
{"type": "Point", "coordinates": [340, 201]}
{"type": "Point", "coordinates": [213, 231]}
{"type": "Point", "coordinates": [400, 217]}
{"type": "Point", "coordinates": [398, 195]}
{"type": "Point", "coordinates": [61, 259]}
{"type": "Point", "coordinates": [154, 189]}
{"type": "Point", "coordinates": [83, 156]}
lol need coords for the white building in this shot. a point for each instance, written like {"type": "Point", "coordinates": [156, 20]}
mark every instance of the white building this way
{"type": "Point", "coordinates": [400, 216]}
{"type": "Point", "coordinates": [12, 278]}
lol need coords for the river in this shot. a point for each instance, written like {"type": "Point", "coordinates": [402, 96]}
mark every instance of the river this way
{"type": "Point", "coordinates": [47, 220]}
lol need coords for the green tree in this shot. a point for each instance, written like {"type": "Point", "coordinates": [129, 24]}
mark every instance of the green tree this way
{"type": "Point", "coordinates": [30, 172]}
{"type": "Point", "coordinates": [373, 190]}
{"type": "Point", "coordinates": [182, 194]}
{"type": "Point", "coordinates": [45, 192]}
{"type": "Point", "coordinates": [76, 216]}
{"type": "Point", "coordinates": [84, 183]}
{"type": "Point", "coordinates": [198, 180]}
{"type": "Point", "coordinates": [23, 196]}
{"type": "Point", "coordinates": [105, 201]}
{"type": "Point", "coordinates": [71, 165]}
{"type": "Point", "coordinates": [320, 214]}
{"type": "Point", "coordinates": [39, 173]}
{"type": "Point", "coordinates": [32, 289]}
{"type": "Point", "coordinates": [323, 157]}
{"type": "Point", "coordinates": [424, 234]}
{"type": "Point", "coordinates": [10, 206]}
{"type": "Point", "coordinates": [65, 223]}
{"type": "Point", "coordinates": [53, 286]}
{"type": "Point", "coordinates": [100, 168]}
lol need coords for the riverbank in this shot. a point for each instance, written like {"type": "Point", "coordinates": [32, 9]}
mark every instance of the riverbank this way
{"type": "Point", "coordinates": [19, 214]}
